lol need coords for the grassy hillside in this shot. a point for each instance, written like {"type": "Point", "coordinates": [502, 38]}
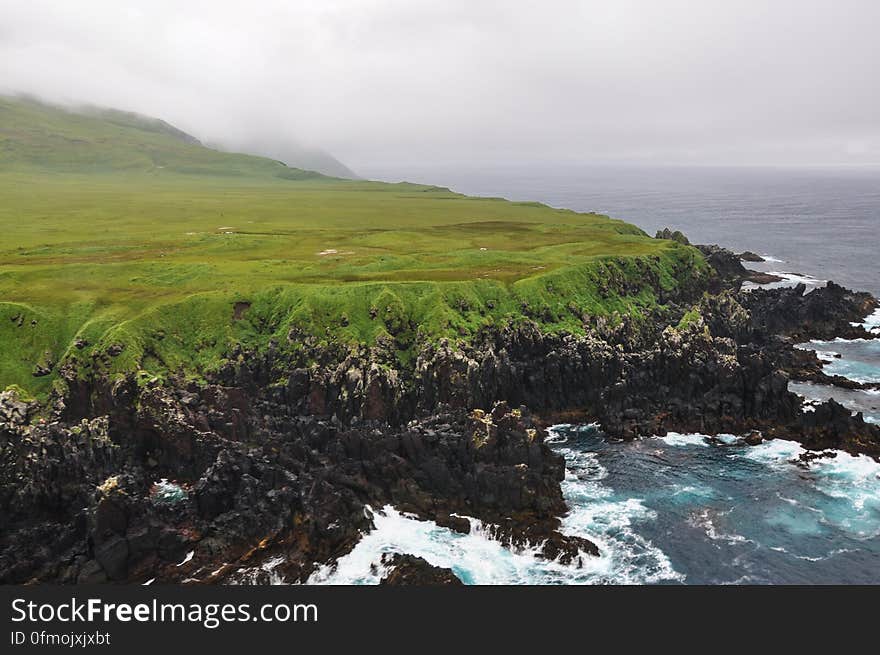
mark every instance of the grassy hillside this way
{"type": "Point", "coordinates": [167, 266]}
{"type": "Point", "coordinates": [37, 135]}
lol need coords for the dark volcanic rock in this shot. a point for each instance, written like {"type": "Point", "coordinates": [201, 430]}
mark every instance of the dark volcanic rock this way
{"type": "Point", "coordinates": [749, 256]}
{"type": "Point", "coordinates": [300, 492]}
{"type": "Point", "coordinates": [831, 425]}
{"type": "Point", "coordinates": [761, 278]}
{"type": "Point", "coordinates": [731, 272]}
{"type": "Point", "coordinates": [728, 266]}
{"type": "Point", "coordinates": [824, 313]}
{"type": "Point", "coordinates": [412, 570]}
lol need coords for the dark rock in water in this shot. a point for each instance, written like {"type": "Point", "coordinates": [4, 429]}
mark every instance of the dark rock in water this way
{"type": "Point", "coordinates": [412, 570]}
{"type": "Point", "coordinates": [552, 544]}
{"type": "Point", "coordinates": [749, 256]}
{"type": "Point", "coordinates": [727, 265]}
{"type": "Point", "coordinates": [455, 523]}
{"type": "Point", "coordinates": [832, 426]}
{"type": "Point", "coordinates": [731, 272]}
{"type": "Point", "coordinates": [754, 438]}
{"type": "Point", "coordinates": [761, 278]}
{"type": "Point", "coordinates": [810, 456]}
{"type": "Point", "coordinates": [824, 313]}
{"type": "Point", "coordinates": [567, 549]}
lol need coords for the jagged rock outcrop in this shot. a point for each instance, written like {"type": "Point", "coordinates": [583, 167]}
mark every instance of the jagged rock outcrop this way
{"type": "Point", "coordinates": [749, 256]}
{"type": "Point", "coordinates": [824, 313]}
{"type": "Point", "coordinates": [831, 425]}
{"type": "Point", "coordinates": [412, 570]}
{"type": "Point", "coordinates": [730, 272]}
{"type": "Point", "coordinates": [297, 486]}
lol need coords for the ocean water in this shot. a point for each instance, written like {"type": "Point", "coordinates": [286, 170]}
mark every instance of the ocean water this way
{"type": "Point", "coordinates": [866, 402]}
{"type": "Point", "coordinates": [671, 510]}
{"type": "Point", "coordinates": [856, 359]}
{"type": "Point", "coordinates": [682, 509]}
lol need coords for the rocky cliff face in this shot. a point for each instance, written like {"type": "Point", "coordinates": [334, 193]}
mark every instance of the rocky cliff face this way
{"type": "Point", "coordinates": [86, 503]}
{"type": "Point", "coordinates": [270, 468]}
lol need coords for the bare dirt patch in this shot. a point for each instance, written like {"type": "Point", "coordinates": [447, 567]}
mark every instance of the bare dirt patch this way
{"type": "Point", "coordinates": [239, 309]}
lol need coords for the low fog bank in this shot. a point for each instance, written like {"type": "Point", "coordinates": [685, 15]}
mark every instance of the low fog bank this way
{"type": "Point", "coordinates": [791, 81]}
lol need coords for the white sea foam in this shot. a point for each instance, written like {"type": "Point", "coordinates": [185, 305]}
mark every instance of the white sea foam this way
{"type": "Point", "coordinates": [788, 280]}
{"type": "Point", "coordinates": [775, 452]}
{"type": "Point", "coordinates": [798, 278]}
{"type": "Point", "coordinates": [679, 439]}
{"type": "Point", "coordinates": [475, 558]}
{"type": "Point", "coordinates": [872, 322]}
{"type": "Point", "coordinates": [626, 557]}
{"type": "Point", "coordinates": [263, 573]}
{"type": "Point", "coordinates": [702, 519]}
{"type": "Point", "coordinates": [690, 491]}
{"type": "Point", "coordinates": [696, 439]}
{"type": "Point", "coordinates": [853, 480]}
{"type": "Point", "coordinates": [862, 366]}
{"type": "Point", "coordinates": [836, 551]}
{"type": "Point", "coordinates": [814, 343]}
{"type": "Point", "coordinates": [856, 481]}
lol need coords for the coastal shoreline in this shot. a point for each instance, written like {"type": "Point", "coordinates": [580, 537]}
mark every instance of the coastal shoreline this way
{"type": "Point", "coordinates": [265, 473]}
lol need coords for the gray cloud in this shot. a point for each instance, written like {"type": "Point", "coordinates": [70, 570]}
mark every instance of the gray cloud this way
{"type": "Point", "coordinates": [454, 80]}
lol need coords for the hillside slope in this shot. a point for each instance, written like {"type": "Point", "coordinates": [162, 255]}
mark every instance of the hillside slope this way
{"type": "Point", "coordinates": [130, 249]}
{"type": "Point", "coordinates": [291, 153]}
{"type": "Point", "coordinates": [52, 138]}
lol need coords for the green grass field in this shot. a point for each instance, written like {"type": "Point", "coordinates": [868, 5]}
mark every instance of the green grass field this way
{"type": "Point", "coordinates": [120, 231]}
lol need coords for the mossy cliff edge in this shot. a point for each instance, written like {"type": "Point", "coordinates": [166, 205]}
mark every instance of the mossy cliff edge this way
{"type": "Point", "coordinates": [130, 250]}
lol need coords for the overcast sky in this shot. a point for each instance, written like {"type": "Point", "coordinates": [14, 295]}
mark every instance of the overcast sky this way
{"type": "Point", "coordinates": [396, 81]}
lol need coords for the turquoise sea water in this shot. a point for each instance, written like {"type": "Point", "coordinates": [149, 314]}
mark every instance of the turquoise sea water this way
{"type": "Point", "coordinates": [856, 359]}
